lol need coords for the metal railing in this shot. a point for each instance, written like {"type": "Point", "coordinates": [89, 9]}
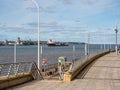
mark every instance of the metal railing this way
{"type": "Point", "coordinates": [19, 69]}
{"type": "Point", "coordinates": [79, 62]}
{"type": "Point", "coordinates": [55, 70]}
{"type": "Point", "coordinates": [30, 68]}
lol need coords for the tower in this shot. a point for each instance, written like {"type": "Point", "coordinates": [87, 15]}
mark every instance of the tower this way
{"type": "Point", "coordinates": [18, 40]}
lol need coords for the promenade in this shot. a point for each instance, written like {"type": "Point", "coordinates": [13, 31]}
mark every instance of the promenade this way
{"type": "Point", "coordinates": [103, 74]}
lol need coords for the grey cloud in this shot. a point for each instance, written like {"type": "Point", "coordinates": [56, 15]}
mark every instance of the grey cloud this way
{"type": "Point", "coordinates": [3, 36]}
{"type": "Point", "coordinates": [68, 2]}
{"type": "Point", "coordinates": [46, 10]}
{"type": "Point", "coordinates": [32, 24]}
{"type": "Point", "coordinates": [32, 9]}
{"type": "Point", "coordinates": [108, 28]}
{"type": "Point", "coordinates": [46, 25]}
{"type": "Point", "coordinates": [11, 28]}
{"type": "Point", "coordinates": [3, 24]}
{"type": "Point", "coordinates": [14, 29]}
{"type": "Point", "coordinates": [90, 2]}
{"type": "Point", "coordinates": [52, 31]}
{"type": "Point", "coordinates": [112, 9]}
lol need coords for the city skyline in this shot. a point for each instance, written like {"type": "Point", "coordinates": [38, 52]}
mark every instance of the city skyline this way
{"type": "Point", "coordinates": [60, 20]}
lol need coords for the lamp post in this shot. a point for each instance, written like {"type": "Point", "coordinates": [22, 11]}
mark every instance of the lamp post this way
{"type": "Point", "coordinates": [104, 41]}
{"type": "Point", "coordinates": [116, 47]}
{"type": "Point", "coordinates": [73, 52]}
{"type": "Point", "coordinates": [88, 48]}
{"type": "Point", "coordinates": [15, 61]}
{"type": "Point", "coordinates": [15, 52]}
{"type": "Point", "coordinates": [38, 11]}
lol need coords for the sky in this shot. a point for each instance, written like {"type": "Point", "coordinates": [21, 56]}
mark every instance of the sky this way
{"type": "Point", "coordinates": [60, 20]}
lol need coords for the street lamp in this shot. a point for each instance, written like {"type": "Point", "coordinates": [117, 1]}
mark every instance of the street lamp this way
{"type": "Point", "coordinates": [116, 48]}
{"type": "Point", "coordinates": [87, 45]}
{"type": "Point", "coordinates": [38, 10]}
{"type": "Point", "coordinates": [104, 41]}
{"type": "Point", "coordinates": [88, 48]}
{"type": "Point", "coordinates": [15, 52]}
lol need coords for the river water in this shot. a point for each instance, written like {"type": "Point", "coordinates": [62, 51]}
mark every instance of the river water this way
{"type": "Point", "coordinates": [29, 53]}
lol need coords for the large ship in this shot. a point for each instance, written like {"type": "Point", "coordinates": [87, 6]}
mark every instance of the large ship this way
{"type": "Point", "coordinates": [50, 42]}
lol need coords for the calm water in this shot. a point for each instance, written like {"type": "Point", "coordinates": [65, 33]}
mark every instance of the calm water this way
{"type": "Point", "coordinates": [29, 53]}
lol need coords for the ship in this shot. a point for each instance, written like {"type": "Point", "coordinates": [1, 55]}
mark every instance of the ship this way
{"type": "Point", "coordinates": [50, 42]}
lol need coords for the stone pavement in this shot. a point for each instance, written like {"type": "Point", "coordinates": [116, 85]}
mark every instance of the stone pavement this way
{"type": "Point", "coordinates": [103, 74]}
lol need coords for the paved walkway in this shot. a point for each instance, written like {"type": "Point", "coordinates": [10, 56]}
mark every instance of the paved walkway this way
{"type": "Point", "coordinates": [104, 74]}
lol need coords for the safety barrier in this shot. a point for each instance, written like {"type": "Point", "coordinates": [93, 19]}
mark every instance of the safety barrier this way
{"type": "Point", "coordinates": [16, 73]}
{"type": "Point", "coordinates": [78, 65]}
{"type": "Point", "coordinates": [49, 71]}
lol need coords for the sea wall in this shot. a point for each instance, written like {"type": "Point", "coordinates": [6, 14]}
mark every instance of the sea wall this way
{"type": "Point", "coordinates": [13, 80]}
{"type": "Point", "coordinates": [68, 76]}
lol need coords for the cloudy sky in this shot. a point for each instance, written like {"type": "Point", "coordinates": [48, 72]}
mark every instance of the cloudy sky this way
{"type": "Point", "coordinates": [60, 20]}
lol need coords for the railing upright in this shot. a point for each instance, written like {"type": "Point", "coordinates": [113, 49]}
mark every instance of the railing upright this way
{"type": "Point", "coordinates": [9, 71]}
{"type": "Point", "coordinates": [20, 69]}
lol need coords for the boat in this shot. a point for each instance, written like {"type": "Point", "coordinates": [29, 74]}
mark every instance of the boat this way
{"type": "Point", "coordinates": [50, 42]}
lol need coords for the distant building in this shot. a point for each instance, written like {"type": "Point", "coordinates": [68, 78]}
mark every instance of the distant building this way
{"type": "Point", "coordinates": [6, 42]}
{"type": "Point", "coordinates": [11, 43]}
{"type": "Point", "coordinates": [19, 42]}
{"type": "Point", "coordinates": [2, 43]}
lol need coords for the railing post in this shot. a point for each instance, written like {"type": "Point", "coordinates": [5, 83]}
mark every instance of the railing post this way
{"type": "Point", "coordinates": [0, 69]}
{"type": "Point", "coordinates": [15, 67]}
{"type": "Point", "coordinates": [30, 67]}
{"type": "Point", "coordinates": [23, 69]}
{"type": "Point", "coordinates": [71, 66]}
{"type": "Point", "coordinates": [9, 70]}
{"type": "Point", "coordinates": [17, 70]}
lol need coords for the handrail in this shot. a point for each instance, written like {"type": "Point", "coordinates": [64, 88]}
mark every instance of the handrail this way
{"type": "Point", "coordinates": [78, 62]}
{"type": "Point", "coordinates": [78, 65]}
{"type": "Point", "coordinates": [9, 70]}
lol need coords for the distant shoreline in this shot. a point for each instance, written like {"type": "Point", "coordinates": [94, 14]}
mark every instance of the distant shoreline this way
{"type": "Point", "coordinates": [27, 43]}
